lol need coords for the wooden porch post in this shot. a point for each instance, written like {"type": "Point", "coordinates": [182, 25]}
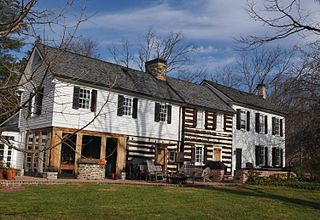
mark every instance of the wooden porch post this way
{"type": "Point", "coordinates": [103, 148]}
{"type": "Point", "coordinates": [78, 152]}
{"type": "Point", "coordinates": [56, 148]}
{"type": "Point", "coordinates": [121, 154]}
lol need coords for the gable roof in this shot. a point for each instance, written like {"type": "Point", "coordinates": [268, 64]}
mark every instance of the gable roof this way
{"type": "Point", "coordinates": [81, 68]}
{"type": "Point", "coordinates": [248, 99]}
{"type": "Point", "coordinates": [11, 124]}
{"type": "Point", "coordinates": [198, 95]}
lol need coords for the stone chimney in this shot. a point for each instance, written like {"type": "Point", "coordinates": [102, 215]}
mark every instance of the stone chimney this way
{"type": "Point", "coordinates": [157, 68]}
{"type": "Point", "coordinates": [262, 90]}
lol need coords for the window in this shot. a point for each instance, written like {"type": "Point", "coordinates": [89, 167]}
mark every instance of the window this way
{"type": "Point", "coordinates": [261, 123]}
{"type": "Point", "coordinates": [243, 120]}
{"type": "Point", "coordinates": [220, 122]}
{"type": "Point", "coordinates": [200, 119]}
{"type": "Point", "coordinates": [261, 156]}
{"type": "Point", "coordinates": [127, 106]}
{"type": "Point", "coordinates": [35, 103]}
{"type": "Point", "coordinates": [217, 154]}
{"type": "Point", "coordinates": [84, 98]}
{"type": "Point", "coordinates": [277, 126]}
{"type": "Point", "coordinates": [1, 153]}
{"type": "Point", "coordinates": [276, 157]}
{"type": "Point", "coordinates": [162, 112]}
{"type": "Point", "coordinates": [199, 154]}
{"type": "Point", "coordinates": [172, 156]}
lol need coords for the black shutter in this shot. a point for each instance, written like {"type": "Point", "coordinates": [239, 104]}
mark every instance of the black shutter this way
{"type": "Point", "coordinates": [225, 122]}
{"type": "Point", "coordinates": [93, 100]}
{"type": "Point", "coordinates": [238, 158]}
{"type": "Point", "coordinates": [258, 122]}
{"type": "Point", "coordinates": [266, 124]}
{"type": "Point", "coordinates": [135, 108]}
{"type": "Point", "coordinates": [169, 109]}
{"type": "Point", "coordinates": [257, 155]}
{"type": "Point", "coordinates": [248, 121]}
{"type": "Point", "coordinates": [238, 119]}
{"type": "Point", "coordinates": [273, 125]}
{"type": "Point", "coordinates": [273, 157]}
{"type": "Point", "coordinates": [214, 121]}
{"type": "Point", "coordinates": [281, 157]}
{"type": "Point", "coordinates": [157, 112]}
{"type": "Point", "coordinates": [266, 156]}
{"type": "Point", "coordinates": [30, 104]}
{"type": "Point", "coordinates": [206, 120]}
{"type": "Point", "coordinates": [76, 94]}
{"type": "Point", "coordinates": [39, 97]}
{"type": "Point", "coordinates": [281, 128]}
{"type": "Point", "coordinates": [205, 155]}
{"type": "Point", "coordinates": [193, 154]}
{"type": "Point", "coordinates": [195, 112]}
{"type": "Point", "coordinates": [120, 105]}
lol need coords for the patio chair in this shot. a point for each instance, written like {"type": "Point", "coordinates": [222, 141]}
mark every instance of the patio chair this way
{"type": "Point", "coordinates": [153, 171]}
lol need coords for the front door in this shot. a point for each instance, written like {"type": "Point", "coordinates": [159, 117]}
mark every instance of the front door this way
{"type": "Point", "coordinates": [161, 157]}
{"type": "Point", "coordinates": [238, 158]}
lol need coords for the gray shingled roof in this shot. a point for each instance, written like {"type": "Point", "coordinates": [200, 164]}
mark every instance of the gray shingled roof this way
{"type": "Point", "coordinates": [77, 67]}
{"type": "Point", "coordinates": [198, 95]}
{"type": "Point", "coordinates": [85, 69]}
{"type": "Point", "coordinates": [11, 124]}
{"type": "Point", "coordinates": [249, 99]}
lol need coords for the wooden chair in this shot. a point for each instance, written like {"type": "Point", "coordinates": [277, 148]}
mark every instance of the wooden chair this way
{"type": "Point", "coordinates": [153, 171]}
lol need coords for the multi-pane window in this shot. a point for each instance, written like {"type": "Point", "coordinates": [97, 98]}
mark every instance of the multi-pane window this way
{"type": "Point", "coordinates": [127, 106]}
{"type": "Point", "coordinates": [6, 152]}
{"type": "Point", "coordinates": [276, 157]}
{"type": "Point", "coordinates": [1, 153]}
{"type": "Point", "coordinates": [199, 153]}
{"type": "Point", "coordinates": [172, 156]}
{"type": "Point", "coordinates": [277, 126]}
{"type": "Point", "coordinates": [200, 119]}
{"type": "Point", "coordinates": [163, 112]}
{"type": "Point", "coordinates": [9, 153]}
{"type": "Point", "coordinates": [84, 98]}
{"type": "Point", "coordinates": [262, 123]}
{"type": "Point", "coordinates": [243, 119]}
{"type": "Point", "coordinates": [220, 122]}
{"type": "Point", "coordinates": [260, 156]}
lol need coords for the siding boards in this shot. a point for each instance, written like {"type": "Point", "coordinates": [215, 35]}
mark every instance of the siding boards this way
{"type": "Point", "coordinates": [209, 137]}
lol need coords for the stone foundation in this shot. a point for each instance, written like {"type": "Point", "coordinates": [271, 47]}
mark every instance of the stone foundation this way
{"type": "Point", "coordinates": [242, 175]}
{"type": "Point", "coordinates": [90, 169]}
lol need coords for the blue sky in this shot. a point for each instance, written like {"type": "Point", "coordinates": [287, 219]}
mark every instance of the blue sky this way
{"type": "Point", "coordinates": [211, 25]}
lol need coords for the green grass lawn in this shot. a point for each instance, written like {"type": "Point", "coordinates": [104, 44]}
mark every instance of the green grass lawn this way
{"type": "Point", "coordinates": [93, 201]}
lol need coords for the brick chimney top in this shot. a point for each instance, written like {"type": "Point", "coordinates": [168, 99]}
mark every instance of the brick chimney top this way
{"type": "Point", "coordinates": [262, 90]}
{"type": "Point", "coordinates": [157, 68]}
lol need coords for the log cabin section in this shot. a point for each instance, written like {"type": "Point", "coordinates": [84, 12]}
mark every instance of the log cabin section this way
{"type": "Point", "coordinates": [207, 137]}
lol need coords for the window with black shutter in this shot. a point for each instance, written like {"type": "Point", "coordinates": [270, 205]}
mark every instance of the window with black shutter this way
{"type": "Point", "coordinates": [266, 124]}
{"type": "Point", "coordinates": [260, 156]}
{"type": "Point", "coordinates": [135, 108]}
{"type": "Point", "coordinates": [257, 122]}
{"type": "Point", "coordinates": [38, 102]}
{"type": "Point", "coordinates": [120, 105]}
{"type": "Point", "coordinates": [157, 112]}
{"type": "Point", "coordinates": [76, 94]}
{"type": "Point", "coordinates": [162, 112]}
{"type": "Point", "coordinates": [248, 121]}
{"type": "Point", "coordinates": [276, 157]}
{"type": "Point", "coordinates": [94, 94]}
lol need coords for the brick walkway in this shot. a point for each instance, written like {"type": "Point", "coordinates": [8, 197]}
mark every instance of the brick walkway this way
{"type": "Point", "coordinates": [26, 180]}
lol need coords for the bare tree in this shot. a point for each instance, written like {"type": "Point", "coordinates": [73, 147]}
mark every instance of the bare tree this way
{"type": "Point", "coordinates": [283, 18]}
{"type": "Point", "coordinates": [83, 46]}
{"type": "Point", "coordinates": [170, 47]}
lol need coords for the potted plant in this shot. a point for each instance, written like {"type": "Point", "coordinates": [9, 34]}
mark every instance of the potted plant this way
{"type": "Point", "coordinates": [123, 174]}
{"type": "Point", "coordinates": [11, 173]}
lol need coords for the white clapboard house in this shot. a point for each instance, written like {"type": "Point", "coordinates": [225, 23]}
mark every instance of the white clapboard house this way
{"type": "Point", "coordinates": [10, 135]}
{"type": "Point", "coordinates": [258, 127]}
{"type": "Point", "coordinates": [80, 107]}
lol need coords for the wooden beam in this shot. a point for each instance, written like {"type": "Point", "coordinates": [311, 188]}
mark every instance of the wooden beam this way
{"type": "Point", "coordinates": [103, 147]}
{"type": "Point", "coordinates": [78, 152]}
{"type": "Point", "coordinates": [121, 154]}
{"type": "Point", "coordinates": [26, 148]}
{"type": "Point", "coordinates": [48, 144]}
{"type": "Point", "coordinates": [32, 150]}
{"type": "Point", "coordinates": [39, 161]}
{"type": "Point", "coordinates": [55, 154]}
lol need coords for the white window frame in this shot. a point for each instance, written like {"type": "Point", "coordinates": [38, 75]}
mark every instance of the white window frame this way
{"type": "Point", "coordinates": [220, 122]}
{"type": "Point", "coordinates": [84, 102]}
{"type": "Point", "coordinates": [33, 103]}
{"type": "Point", "coordinates": [6, 150]}
{"type": "Point", "coordinates": [127, 107]}
{"type": "Point", "coordinates": [199, 157]}
{"type": "Point", "coordinates": [219, 148]}
{"type": "Point", "coordinates": [278, 156]}
{"type": "Point", "coordinates": [170, 155]}
{"type": "Point", "coordinates": [200, 119]}
{"type": "Point", "coordinates": [163, 112]}
{"type": "Point", "coordinates": [243, 119]}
